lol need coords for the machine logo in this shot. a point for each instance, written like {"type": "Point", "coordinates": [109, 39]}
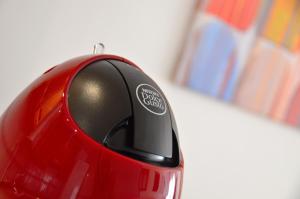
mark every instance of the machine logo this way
{"type": "Point", "coordinates": [151, 99]}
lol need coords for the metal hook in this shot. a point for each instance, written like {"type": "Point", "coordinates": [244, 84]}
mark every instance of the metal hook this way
{"type": "Point", "coordinates": [96, 48]}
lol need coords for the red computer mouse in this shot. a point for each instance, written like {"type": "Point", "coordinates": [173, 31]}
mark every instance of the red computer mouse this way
{"type": "Point", "coordinates": [93, 127]}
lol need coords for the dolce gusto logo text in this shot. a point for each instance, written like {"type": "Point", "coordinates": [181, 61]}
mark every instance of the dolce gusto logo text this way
{"type": "Point", "coordinates": [151, 99]}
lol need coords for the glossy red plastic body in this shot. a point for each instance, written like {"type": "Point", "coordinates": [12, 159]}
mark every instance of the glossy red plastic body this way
{"type": "Point", "coordinates": [44, 154]}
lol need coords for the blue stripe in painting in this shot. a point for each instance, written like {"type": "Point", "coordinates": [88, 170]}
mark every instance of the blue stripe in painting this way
{"type": "Point", "coordinates": [212, 57]}
{"type": "Point", "coordinates": [231, 84]}
{"type": "Point", "coordinates": [201, 58]}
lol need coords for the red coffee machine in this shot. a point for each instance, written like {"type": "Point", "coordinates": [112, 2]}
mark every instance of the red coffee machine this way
{"type": "Point", "coordinates": [93, 127]}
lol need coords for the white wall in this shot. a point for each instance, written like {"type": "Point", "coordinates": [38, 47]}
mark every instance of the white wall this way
{"type": "Point", "coordinates": [229, 154]}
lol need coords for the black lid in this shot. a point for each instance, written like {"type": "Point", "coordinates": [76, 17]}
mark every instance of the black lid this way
{"type": "Point", "coordinates": [121, 107]}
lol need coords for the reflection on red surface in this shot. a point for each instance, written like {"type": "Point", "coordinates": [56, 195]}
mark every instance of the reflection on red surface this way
{"type": "Point", "coordinates": [43, 154]}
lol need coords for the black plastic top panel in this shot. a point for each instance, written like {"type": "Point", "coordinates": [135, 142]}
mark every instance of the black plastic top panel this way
{"type": "Point", "coordinates": [98, 99]}
{"type": "Point", "coordinates": [121, 107]}
{"type": "Point", "coordinates": [152, 123]}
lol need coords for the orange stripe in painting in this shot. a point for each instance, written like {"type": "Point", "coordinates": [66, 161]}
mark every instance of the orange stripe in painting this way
{"type": "Point", "coordinates": [275, 82]}
{"type": "Point", "coordinates": [294, 109]}
{"type": "Point", "coordinates": [282, 96]}
{"type": "Point", "coordinates": [215, 6]}
{"type": "Point", "coordinates": [259, 66]}
{"type": "Point", "coordinates": [261, 78]}
{"type": "Point", "coordinates": [244, 94]}
{"type": "Point", "coordinates": [238, 98]}
{"type": "Point", "coordinates": [242, 21]}
{"type": "Point", "coordinates": [292, 38]}
{"type": "Point", "coordinates": [238, 13]}
{"type": "Point", "coordinates": [278, 20]}
{"type": "Point", "coordinates": [250, 14]}
{"type": "Point", "coordinates": [227, 10]}
{"type": "Point", "coordinates": [264, 80]}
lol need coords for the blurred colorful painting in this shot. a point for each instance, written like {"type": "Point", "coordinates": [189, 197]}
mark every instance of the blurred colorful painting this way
{"type": "Point", "coordinates": [246, 52]}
